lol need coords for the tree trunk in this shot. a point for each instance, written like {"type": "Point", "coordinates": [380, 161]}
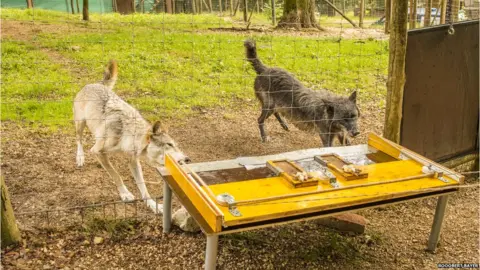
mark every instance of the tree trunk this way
{"type": "Point", "coordinates": [72, 6]}
{"type": "Point", "coordinates": [362, 13]}
{"type": "Point", "coordinates": [274, 19]}
{"type": "Point", "coordinates": [388, 12]}
{"type": "Point", "coordinates": [231, 7]}
{"type": "Point", "coordinates": [428, 13]}
{"type": "Point", "coordinates": [443, 13]}
{"type": "Point", "coordinates": [396, 70]}
{"type": "Point", "coordinates": [85, 10]}
{"type": "Point", "coordinates": [413, 13]}
{"type": "Point", "coordinates": [245, 10]}
{"type": "Point", "coordinates": [210, 5]}
{"type": "Point", "coordinates": [299, 14]}
{"type": "Point", "coordinates": [168, 6]}
{"type": "Point", "coordinates": [455, 8]}
{"type": "Point", "coordinates": [29, 3]}
{"type": "Point", "coordinates": [78, 7]}
{"type": "Point", "coordinates": [9, 232]}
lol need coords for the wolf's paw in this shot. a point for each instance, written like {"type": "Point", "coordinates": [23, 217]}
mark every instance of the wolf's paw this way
{"type": "Point", "coordinates": [266, 139]}
{"type": "Point", "coordinates": [80, 160]}
{"type": "Point", "coordinates": [157, 208]}
{"type": "Point", "coordinates": [126, 196]}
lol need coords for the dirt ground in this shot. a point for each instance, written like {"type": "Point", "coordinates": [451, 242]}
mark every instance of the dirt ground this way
{"type": "Point", "coordinates": [40, 172]}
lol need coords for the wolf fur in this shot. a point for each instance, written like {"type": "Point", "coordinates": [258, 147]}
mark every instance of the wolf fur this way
{"type": "Point", "coordinates": [118, 127]}
{"type": "Point", "coordinates": [281, 94]}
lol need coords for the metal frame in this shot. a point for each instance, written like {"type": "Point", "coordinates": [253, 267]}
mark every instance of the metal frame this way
{"type": "Point", "coordinates": [212, 239]}
{"type": "Point", "coordinates": [388, 147]}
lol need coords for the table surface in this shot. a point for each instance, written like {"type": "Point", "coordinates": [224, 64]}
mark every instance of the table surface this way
{"type": "Point", "coordinates": [248, 178]}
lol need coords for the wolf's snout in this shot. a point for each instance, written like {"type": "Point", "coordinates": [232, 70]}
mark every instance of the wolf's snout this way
{"type": "Point", "coordinates": [355, 133]}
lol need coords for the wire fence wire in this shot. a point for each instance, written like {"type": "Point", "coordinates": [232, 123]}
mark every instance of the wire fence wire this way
{"type": "Point", "coordinates": [175, 65]}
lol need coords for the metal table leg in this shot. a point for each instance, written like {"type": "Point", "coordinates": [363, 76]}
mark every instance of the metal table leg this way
{"type": "Point", "coordinates": [437, 223]}
{"type": "Point", "coordinates": [167, 207]}
{"type": "Point", "coordinates": [211, 253]}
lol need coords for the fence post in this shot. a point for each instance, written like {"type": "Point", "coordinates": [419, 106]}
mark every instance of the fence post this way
{"type": "Point", "coordinates": [10, 233]}
{"type": "Point", "coordinates": [396, 70]}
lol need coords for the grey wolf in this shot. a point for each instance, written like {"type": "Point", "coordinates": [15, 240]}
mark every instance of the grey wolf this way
{"type": "Point", "coordinates": [118, 127]}
{"type": "Point", "coordinates": [281, 94]}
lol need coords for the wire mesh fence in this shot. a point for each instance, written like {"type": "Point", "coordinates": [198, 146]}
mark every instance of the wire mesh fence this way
{"type": "Point", "coordinates": [188, 70]}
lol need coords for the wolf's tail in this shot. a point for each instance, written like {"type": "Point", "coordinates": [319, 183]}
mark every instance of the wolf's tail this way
{"type": "Point", "coordinates": [251, 52]}
{"type": "Point", "coordinates": [110, 74]}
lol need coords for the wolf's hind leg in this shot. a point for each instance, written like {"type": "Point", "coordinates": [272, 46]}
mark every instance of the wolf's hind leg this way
{"type": "Point", "coordinates": [281, 121]}
{"type": "Point", "coordinates": [261, 123]}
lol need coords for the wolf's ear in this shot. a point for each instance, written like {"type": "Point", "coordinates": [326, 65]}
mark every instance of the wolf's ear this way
{"type": "Point", "coordinates": [330, 108]}
{"type": "Point", "coordinates": [353, 97]}
{"type": "Point", "coordinates": [158, 128]}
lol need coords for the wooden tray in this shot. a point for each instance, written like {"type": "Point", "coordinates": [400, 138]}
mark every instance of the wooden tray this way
{"type": "Point", "coordinates": [336, 163]}
{"type": "Point", "coordinates": [287, 169]}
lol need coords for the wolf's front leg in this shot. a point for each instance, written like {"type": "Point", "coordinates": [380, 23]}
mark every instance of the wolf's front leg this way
{"type": "Point", "coordinates": [136, 170]}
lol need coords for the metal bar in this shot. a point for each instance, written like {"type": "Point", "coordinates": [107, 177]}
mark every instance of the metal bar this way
{"type": "Point", "coordinates": [437, 223]}
{"type": "Point", "coordinates": [211, 253]}
{"type": "Point", "coordinates": [167, 208]}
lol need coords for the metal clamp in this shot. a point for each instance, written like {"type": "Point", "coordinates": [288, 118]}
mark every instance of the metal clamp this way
{"type": "Point", "coordinates": [437, 173]}
{"type": "Point", "coordinates": [230, 200]}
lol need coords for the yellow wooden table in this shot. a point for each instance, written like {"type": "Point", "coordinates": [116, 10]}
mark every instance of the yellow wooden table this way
{"type": "Point", "coordinates": [243, 194]}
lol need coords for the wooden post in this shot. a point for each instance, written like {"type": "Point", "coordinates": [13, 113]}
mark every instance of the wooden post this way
{"type": "Point", "coordinates": [396, 70]}
{"type": "Point", "coordinates": [245, 10]}
{"type": "Point", "coordinates": [428, 13]}
{"type": "Point", "coordinates": [29, 3]}
{"type": "Point", "coordinates": [362, 13]}
{"type": "Point", "coordinates": [443, 12]}
{"type": "Point", "coordinates": [85, 10]}
{"type": "Point", "coordinates": [9, 232]}
{"type": "Point", "coordinates": [388, 12]}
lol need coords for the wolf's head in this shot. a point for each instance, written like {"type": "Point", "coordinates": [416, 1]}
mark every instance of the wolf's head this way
{"type": "Point", "coordinates": [344, 114]}
{"type": "Point", "coordinates": [161, 144]}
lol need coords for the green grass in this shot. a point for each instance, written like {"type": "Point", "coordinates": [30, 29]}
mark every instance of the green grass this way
{"type": "Point", "coordinates": [168, 64]}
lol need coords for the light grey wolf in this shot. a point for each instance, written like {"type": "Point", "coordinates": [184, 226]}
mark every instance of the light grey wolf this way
{"type": "Point", "coordinates": [118, 127]}
{"type": "Point", "coordinates": [281, 94]}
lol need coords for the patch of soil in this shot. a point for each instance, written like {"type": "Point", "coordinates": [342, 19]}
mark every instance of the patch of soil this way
{"type": "Point", "coordinates": [40, 171]}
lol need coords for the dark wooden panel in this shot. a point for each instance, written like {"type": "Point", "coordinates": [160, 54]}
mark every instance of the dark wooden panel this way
{"type": "Point", "coordinates": [440, 104]}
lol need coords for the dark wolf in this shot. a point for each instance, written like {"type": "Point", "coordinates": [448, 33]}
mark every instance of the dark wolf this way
{"type": "Point", "coordinates": [281, 94]}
